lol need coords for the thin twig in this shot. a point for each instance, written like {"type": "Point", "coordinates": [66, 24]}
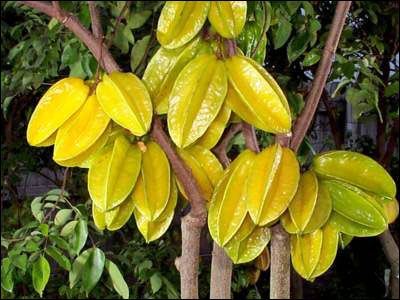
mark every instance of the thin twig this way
{"type": "Point", "coordinates": [267, 22]}
{"type": "Point", "coordinates": [60, 196]}
{"type": "Point", "coordinates": [220, 149]}
{"type": "Point", "coordinates": [117, 23]}
{"type": "Point", "coordinates": [95, 19]}
{"type": "Point", "coordinates": [304, 120]}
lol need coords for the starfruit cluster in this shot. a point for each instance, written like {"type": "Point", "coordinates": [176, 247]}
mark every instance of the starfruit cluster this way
{"type": "Point", "coordinates": [254, 191]}
{"type": "Point", "coordinates": [344, 195]}
{"type": "Point", "coordinates": [96, 127]}
{"type": "Point", "coordinates": [198, 87]}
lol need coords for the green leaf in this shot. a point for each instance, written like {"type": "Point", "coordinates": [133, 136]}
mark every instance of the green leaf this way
{"type": "Point", "coordinates": [36, 208]}
{"type": "Point", "coordinates": [79, 238]}
{"type": "Point", "coordinates": [120, 40]}
{"type": "Point", "coordinates": [292, 6]}
{"type": "Point", "coordinates": [77, 266]}
{"type": "Point", "coordinates": [315, 25]}
{"type": "Point", "coordinates": [93, 269]}
{"type": "Point", "coordinates": [20, 261]}
{"type": "Point", "coordinates": [60, 242]}
{"type": "Point", "coordinates": [392, 89]}
{"type": "Point", "coordinates": [172, 292]}
{"type": "Point", "coordinates": [44, 229]}
{"type": "Point", "coordinates": [138, 19]}
{"type": "Point", "coordinates": [70, 54]}
{"type": "Point", "coordinates": [61, 259]}
{"type": "Point", "coordinates": [139, 51]}
{"type": "Point", "coordinates": [156, 282]}
{"type": "Point", "coordinates": [312, 57]}
{"type": "Point", "coordinates": [40, 274]}
{"type": "Point", "coordinates": [69, 228]}
{"type": "Point", "coordinates": [308, 8]}
{"type": "Point", "coordinates": [117, 279]}
{"type": "Point", "coordinates": [358, 100]}
{"type": "Point", "coordinates": [298, 45]}
{"type": "Point", "coordinates": [282, 33]}
{"type": "Point", "coordinates": [7, 270]}
{"type": "Point", "coordinates": [76, 70]}
{"type": "Point", "coordinates": [62, 216]}
{"type": "Point", "coordinates": [340, 86]}
{"type": "Point", "coordinates": [84, 15]}
{"type": "Point", "coordinates": [31, 246]}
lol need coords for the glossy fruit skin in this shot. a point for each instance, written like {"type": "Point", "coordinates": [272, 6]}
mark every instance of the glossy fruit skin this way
{"type": "Point", "coordinates": [80, 132]}
{"type": "Point", "coordinates": [272, 183]}
{"type": "Point", "coordinates": [113, 173]}
{"type": "Point", "coordinates": [153, 230]}
{"type": "Point", "coordinates": [228, 17]}
{"type": "Point", "coordinates": [180, 22]}
{"type": "Point", "coordinates": [196, 99]}
{"type": "Point", "coordinates": [165, 66]}
{"type": "Point", "coordinates": [356, 169]}
{"type": "Point", "coordinates": [150, 200]}
{"type": "Point", "coordinates": [313, 253]}
{"type": "Point", "coordinates": [256, 97]}
{"type": "Point", "coordinates": [205, 167]}
{"type": "Point", "coordinates": [125, 99]}
{"type": "Point", "coordinates": [355, 212]}
{"type": "Point", "coordinates": [58, 104]}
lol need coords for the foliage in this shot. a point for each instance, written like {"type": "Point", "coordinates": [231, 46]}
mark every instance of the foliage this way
{"type": "Point", "coordinates": [50, 235]}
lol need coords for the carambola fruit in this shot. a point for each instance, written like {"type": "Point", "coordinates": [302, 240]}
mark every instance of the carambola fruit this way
{"type": "Point", "coordinates": [228, 17]}
{"type": "Point", "coordinates": [313, 253]}
{"type": "Point", "coordinates": [81, 131]}
{"type": "Point", "coordinates": [356, 169]}
{"type": "Point", "coordinates": [196, 99]}
{"type": "Point", "coordinates": [152, 189]}
{"type": "Point", "coordinates": [272, 183]}
{"type": "Point", "coordinates": [58, 104]}
{"type": "Point", "coordinates": [256, 97]}
{"type": "Point", "coordinates": [113, 173]}
{"type": "Point", "coordinates": [180, 21]}
{"type": "Point", "coordinates": [228, 208]}
{"type": "Point", "coordinates": [125, 99]}
{"type": "Point", "coordinates": [355, 212]}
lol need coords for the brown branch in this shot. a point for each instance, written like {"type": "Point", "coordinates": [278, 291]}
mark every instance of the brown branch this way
{"type": "Point", "coordinates": [95, 20]}
{"type": "Point", "coordinates": [220, 149]}
{"type": "Point", "coordinates": [250, 137]}
{"type": "Point", "coordinates": [117, 23]}
{"type": "Point", "coordinates": [303, 122]}
{"type": "Point", "coordinates": [391, 251]}
{"type": "Point", "coordinates": [72, 23]}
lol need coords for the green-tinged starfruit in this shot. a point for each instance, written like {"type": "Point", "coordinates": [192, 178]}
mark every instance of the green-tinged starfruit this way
{"type": "Point", "coordinates": [125, 99]}
{"type": "Point", "coordinates": [272, 183]}
{"type": "Point", "coordinates": [165, 66]}
{"type": "Point", "coordinates": [180, 22]}
{"type": "Point", "coordinates": [58, 104]}
{"type": "Point", "coordinates": [310, 208]}
{"type": "Point", "coordinates": [196, 99]}
{"type": "Point", "coordinates": [205, 167]}
{"type": "Point", "coordinates": [356, 169]}
{"type": "Point", "coordinates": [113, 173]}
{"type": "Point", "coordinates": [152, 189]}
{"type": "Point", "coordinates": [153, 230]}
{"type": "Point", "coordinates": [256, 97]}
{"type": "Point", "coordinates": [228, 17]}
{"type": "Point", "coordinates": [355, 212]}
{"type": "Point", "coordinates": [228, 207]}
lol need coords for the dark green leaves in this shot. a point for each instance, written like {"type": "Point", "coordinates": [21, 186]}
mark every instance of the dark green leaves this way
{"type": "Point", "coordinates": [298, 45]}
{"type": "Point", "coordinates": [139, 52]}
{"type": "Point", "coordinates": [312, 57]}
{"type": "Point", "coordinates": [117, 279]}
{"type": "Point", "coordinates": [79, 238]}
{"type": "Point", "coordinates": [156, 282]}
{"type": "Point", "coordinates": [40, 274]}
{"type": "Point", "coordinates": [282, 33]}
{"type": "Point", "coordinates": [77, 266]}
{"type": "Point", "coordinates": [92, 269]}
{"type": "Point", "coordinates": [7, 269]}
{"type": "Point", "coordinates": [61, 259]}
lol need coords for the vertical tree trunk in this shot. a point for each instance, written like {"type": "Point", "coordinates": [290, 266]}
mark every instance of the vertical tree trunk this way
{"type": "Point", "coordinates": [392, 254]}
{"type": "Point", "coordinates": [221, 274]}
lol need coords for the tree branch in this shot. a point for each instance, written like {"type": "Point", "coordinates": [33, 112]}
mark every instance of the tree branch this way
{"type": "Point", "coordinates": [304, 120]}
{"type": "Point", "coordinates": [250, 137]}
{"type": "Point", "coordinates": [220, 149]}
{"type": "Point", "coordinates": [391, 251]}
{"type": "Point", "coordinates": [95, 20]}
{"type": "Point", "coordinates": [72, 23]}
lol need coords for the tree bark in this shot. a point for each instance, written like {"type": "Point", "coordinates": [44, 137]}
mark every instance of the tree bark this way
{"type": "Point", "coordinates": [221, 274]}
{"type": "Point", "coordinates": [304, 120]}
{"type": "Point", "coordinates": [391, 251]}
